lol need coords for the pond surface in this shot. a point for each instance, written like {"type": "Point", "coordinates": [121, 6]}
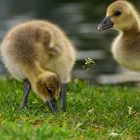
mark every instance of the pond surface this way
{"type": "Point", "coordinates": [79, 19]}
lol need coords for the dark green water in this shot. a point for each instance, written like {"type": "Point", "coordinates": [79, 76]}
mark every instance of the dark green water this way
{"type": "Point", "coordinates": [79, 19]}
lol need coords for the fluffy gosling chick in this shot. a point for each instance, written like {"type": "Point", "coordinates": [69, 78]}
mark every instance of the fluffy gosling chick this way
{"type": "Point", "coordinates": [39, 53]}
{"type": "Point", "coordinates": [122, 16]}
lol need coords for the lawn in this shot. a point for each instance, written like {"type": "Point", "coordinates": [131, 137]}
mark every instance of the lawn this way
{"type": "Point", "coordinates": [93, 113]}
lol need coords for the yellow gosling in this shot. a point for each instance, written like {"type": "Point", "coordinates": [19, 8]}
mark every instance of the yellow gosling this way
{"type": "Point", "coordinates": [122, 16]}
{"type": "Point", "coordinates": [39, 53]}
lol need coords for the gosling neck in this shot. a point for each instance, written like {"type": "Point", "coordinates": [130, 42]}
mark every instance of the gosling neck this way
{"type": "Point", "coordinates": [134, 29]}
{"type": "Point", "coordinates": [131, 32]}
{"type": "Point", "coordinates": [128, 36]}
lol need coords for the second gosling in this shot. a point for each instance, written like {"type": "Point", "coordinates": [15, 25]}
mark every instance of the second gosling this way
{"type": "Point", "coordinates": [123, 16]}
{"type": "Point", "coordinates": [39, 53]}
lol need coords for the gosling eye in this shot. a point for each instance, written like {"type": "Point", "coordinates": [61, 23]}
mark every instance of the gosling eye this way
{"type": "Point", "coordinates": [50, 91]}
{"type": "Point", "coordinates": [117, 13]}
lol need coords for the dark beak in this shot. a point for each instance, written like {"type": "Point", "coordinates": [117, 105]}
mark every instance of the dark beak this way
{"type": "Point", "coordinates": [52, 105]}
{"type": "Point", "coordinates": [105, 24]}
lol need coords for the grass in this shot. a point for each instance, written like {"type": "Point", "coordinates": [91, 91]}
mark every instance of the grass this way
{"type": "Point", "coordinates": [96, 113]}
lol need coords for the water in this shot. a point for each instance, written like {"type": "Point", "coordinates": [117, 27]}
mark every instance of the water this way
{"type": "Point", "coordinates": [79, 19]}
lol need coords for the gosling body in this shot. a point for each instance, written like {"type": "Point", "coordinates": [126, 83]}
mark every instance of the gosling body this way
{"type": "Point", "coordinates": [41, 42]}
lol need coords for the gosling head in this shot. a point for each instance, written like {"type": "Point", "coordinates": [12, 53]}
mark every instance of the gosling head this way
{"type": "Point", "coordinates": [121, 15]}
{"type": "Point", "coordinates": [47, 87]}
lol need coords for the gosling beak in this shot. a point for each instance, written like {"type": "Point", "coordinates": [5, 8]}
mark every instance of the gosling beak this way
{"type": "Point", "coordinates": [52, 105]}
{"type": "Point", "coordinates": [105, 24]}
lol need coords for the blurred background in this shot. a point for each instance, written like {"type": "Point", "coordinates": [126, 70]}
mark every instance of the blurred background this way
{"type": "Point", "coordinates": [79, 19]}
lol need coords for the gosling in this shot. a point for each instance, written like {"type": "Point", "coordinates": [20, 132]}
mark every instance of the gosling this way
{"type": "Point", "coordinates": [122, 16]}
{"type": "Point", "coordinates": [41, 55]}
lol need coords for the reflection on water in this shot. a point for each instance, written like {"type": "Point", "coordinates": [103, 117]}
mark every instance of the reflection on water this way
{"type": "Point", "coordinates": [79, 20]}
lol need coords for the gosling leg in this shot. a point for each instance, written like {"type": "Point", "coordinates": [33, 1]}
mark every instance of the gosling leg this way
{"type": "Point", "coordinates": [63, 97]}
{"type": "Point", "coordinates": [26, 90]}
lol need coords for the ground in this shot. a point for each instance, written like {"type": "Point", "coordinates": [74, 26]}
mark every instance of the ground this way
{"type": "Point", "coordinates": [93, 113]}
